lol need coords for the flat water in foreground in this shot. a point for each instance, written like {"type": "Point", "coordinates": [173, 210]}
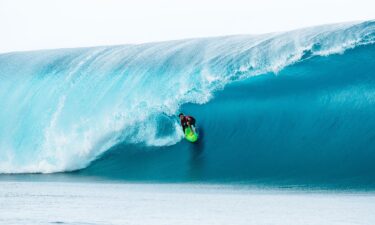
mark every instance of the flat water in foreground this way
{"type": "Point", "coordinates": [105, 203]}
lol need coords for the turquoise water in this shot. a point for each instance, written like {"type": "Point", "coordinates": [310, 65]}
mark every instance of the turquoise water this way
{"type": "Point", "coordinates": [291, 108]}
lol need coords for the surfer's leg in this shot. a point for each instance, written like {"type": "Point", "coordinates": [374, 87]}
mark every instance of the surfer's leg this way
{"type": "Point", "coordinates": [193, 128]}
{"type": "Point", "coordinates": [192, 125]}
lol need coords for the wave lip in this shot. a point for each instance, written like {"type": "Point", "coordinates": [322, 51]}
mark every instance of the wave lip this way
{"type": "Point", "coordinates": [64, 108]}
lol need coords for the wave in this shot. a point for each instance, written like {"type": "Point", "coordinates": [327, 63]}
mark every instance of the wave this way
{"type": "Point", "coordinates": [287, 99]}
{"type": "Point", "coordinates": [310, 124]}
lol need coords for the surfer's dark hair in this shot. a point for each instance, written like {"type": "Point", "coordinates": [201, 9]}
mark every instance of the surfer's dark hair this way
{"type": "Point", "coordinates": [181, 114]}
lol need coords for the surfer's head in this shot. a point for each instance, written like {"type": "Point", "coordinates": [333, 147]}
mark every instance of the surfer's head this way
{"type": "Point", "coordinates": [181, 115]}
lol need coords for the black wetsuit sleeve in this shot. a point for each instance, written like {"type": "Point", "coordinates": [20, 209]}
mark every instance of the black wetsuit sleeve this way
{"type": "Point", "coordinates": [192, 120]}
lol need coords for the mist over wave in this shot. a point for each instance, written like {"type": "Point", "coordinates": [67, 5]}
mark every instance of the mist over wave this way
{"type": "Point", "coordinates": [294, 98]}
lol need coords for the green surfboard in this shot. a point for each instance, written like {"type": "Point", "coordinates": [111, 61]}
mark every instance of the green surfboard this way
{"type": "Point", "coordinates": [190, 136]}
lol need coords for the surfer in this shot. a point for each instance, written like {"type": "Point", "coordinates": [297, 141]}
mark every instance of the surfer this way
{"type": "Point", "coordinates": [187, 121]}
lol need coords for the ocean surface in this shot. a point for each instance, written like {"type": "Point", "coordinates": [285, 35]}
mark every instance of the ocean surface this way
{"type": "Point", "coordinates": [53, 203]}
{"type": "Point", "coordinates": [281, 109]}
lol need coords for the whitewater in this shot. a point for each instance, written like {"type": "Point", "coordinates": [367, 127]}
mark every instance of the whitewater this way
{"type": "Point", "coordinates": [291, 105]}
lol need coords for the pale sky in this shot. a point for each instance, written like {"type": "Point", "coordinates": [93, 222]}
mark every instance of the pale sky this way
{"type": "Point", "coordinates": [45, 24]}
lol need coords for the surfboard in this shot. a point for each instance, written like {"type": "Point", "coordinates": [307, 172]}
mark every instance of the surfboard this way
{"type": "Point", "coordinates": [190, 136]}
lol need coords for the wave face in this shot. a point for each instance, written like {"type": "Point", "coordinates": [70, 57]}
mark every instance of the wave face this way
{"type": "Point", "coordinates": [293, 104]}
